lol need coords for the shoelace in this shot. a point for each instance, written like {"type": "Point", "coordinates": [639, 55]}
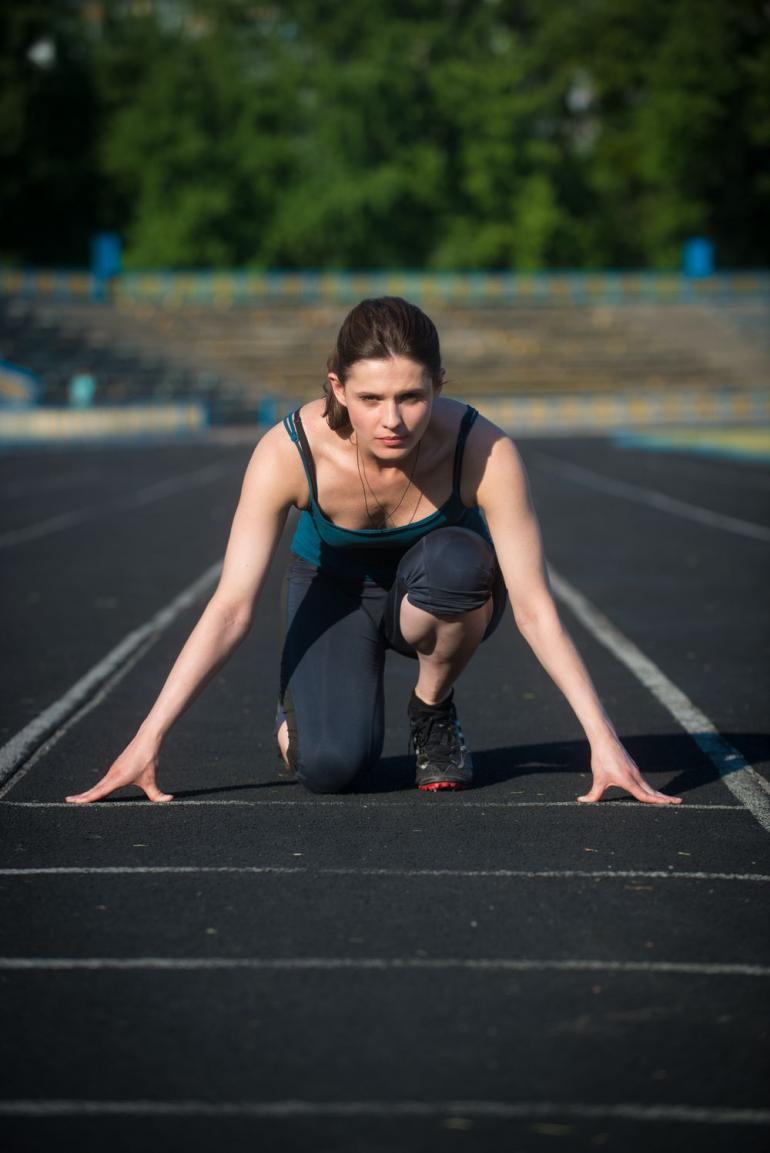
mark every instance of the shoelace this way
{"type": "Point", "coordinates": [444, 725]}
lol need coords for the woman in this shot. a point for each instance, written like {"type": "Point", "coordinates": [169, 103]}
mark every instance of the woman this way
{"type": "Point", "coordinates": [416, 519]}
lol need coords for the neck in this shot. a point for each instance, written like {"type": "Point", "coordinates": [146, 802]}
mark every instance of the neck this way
{"type": "Point", "coordinates": [383, 513]}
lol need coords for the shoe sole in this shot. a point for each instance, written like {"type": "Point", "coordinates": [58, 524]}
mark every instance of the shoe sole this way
{"type": "Point", "coordinates": [434, 786]}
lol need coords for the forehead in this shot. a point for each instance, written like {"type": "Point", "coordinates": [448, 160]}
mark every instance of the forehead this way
{"type": "Point", "coordinates": [395, 372]}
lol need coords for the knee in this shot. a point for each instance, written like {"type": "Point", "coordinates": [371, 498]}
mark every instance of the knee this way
{"type": "Point", "coordinates": [328, 770]}
{"type": "Point", "coordinates": [455, 574]}
{"type": "Point", "coordinates": [459, 558]}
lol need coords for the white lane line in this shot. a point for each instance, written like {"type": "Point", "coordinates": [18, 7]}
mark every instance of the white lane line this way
{"type": "Point", "coordinates": [649, 496]}
{"type": "Point", "coordinates": [174, 485]}
{"type": "Point", "coordinates": [457, 1109]}
{"type": "Point", "coordinates": [58, 481]}
{"type": "Point", "coordinates": [341, 871]}
{"type": "Point", "coordinates": [742, 780]}
{"type": "Point", "coordinates": [380, 964]}
{"type": "Point", "coordinates": [74, 718]}
{"type": "Point", "coordinates": [20, 747]}
{"type": "Point", "coordinates": [45, 527]}
{"type": "Point", "coordinates": [317, 802]}
{"type": "Point", "coordinates": [144, 496]}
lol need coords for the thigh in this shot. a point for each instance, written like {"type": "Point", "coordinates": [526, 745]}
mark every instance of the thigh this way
{"type": "Point", "coordinates": [448, 572]}
{"type": "Point", "coordinates": [331, 678]}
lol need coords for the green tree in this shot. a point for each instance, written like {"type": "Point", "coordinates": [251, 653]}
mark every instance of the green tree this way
{"type": "Point", "coordinates": [452, 134]}
{"type": "Point", "coordinates": [199, 137]}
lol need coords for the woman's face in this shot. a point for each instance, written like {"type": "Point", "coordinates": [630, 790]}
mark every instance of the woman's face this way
{"type": "Point", "coordinates": [389, 403]}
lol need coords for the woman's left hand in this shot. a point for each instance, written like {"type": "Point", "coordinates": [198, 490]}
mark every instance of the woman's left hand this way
{"type": "Point", "coordinates": [612, 766]}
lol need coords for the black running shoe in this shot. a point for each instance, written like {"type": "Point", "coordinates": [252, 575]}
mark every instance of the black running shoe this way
{"type": "Point", "coordinates": [443, 759]}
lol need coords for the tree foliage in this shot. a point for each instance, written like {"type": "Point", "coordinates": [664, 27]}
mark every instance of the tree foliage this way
{"type": "Point", "coordinates": [448, 134]}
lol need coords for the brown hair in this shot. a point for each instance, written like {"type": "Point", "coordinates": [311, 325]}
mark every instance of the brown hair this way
{"type": "Point", "coordinates": [376, 330]}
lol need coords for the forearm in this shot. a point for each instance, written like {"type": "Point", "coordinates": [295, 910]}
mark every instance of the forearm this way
{"type": "Point", "coordinates": [213, 640]}
{"type": "Point", "coordinates": [553, 647]}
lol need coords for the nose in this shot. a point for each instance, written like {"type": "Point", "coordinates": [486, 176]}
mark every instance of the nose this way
{"type": "Point", "coordinates": [392, 417]}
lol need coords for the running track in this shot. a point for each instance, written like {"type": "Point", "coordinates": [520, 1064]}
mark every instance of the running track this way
{"type": "Point", "coordinates": [253, 967]}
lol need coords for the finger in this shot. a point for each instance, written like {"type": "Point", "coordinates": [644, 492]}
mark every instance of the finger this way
{"type": "Point", "coordinates": [147, 783]}
{"type": "Point", "coordinates": [595, 793]}
{"type": "Point", "coordinates": [154, 794]}
{"type": "Point", "coordinates": [642, 791]}
{"type": "Point", "coordinates": [656, 798]}
{"type": "Point", "coordinates": [95, 794]}
{"type": "Point", "coordinates": [108, 784]}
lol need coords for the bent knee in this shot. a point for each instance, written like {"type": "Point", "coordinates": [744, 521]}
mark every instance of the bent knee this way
{"type": "Point", "coordinates": [453, 574]}
{"type": "Point", "coordinates": [330, 771]}
{"type": "Point", "coordinates": [459, 556]}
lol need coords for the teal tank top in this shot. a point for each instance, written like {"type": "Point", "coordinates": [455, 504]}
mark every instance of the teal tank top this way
{"type": "Point", "coordinates": [372, 554]}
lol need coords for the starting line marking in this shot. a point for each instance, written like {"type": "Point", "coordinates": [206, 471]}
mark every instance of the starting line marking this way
{"type": "Point", "coordinates": [384, 964]}
{"type": "Point", "coordinates": [340, 871]}
{"type": "Point", "coordinates": [290, 1109]}
{"type": "Point", "coordinates": [326, 803]}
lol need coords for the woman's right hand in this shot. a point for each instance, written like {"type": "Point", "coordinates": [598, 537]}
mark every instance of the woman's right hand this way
{"type": "Point", "coordinates": [136, 765]}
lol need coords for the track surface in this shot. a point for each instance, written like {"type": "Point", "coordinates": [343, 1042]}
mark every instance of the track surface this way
{"type": "Point", "coordinates": [254, 967]}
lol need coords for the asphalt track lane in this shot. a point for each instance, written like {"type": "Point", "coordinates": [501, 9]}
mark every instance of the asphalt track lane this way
{"type": "Point", "coordinates": [357, 836]}
{"type": "Point", "coordinates": [289, 915]}
{"type": "Point", "coordinates": [34, 488]}
{"type": "Point", "coordinates": [347, 1040]}
{"type": "Point", "coordinates": [314, 1132]}
{"type": "Point", "coordinates": [76, 593]}
{"type": "Point", "coordinates": [456, 1128]}
{"type": "Point", "coordinates": [730, 486]}
{"type": "Point", "coordinates": [703, 623]}
{"type": "Point", "coordinates": [277, 1035]}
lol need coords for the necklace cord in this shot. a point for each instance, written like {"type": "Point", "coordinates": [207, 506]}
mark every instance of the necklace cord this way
{"type": "Point", "coordinates": [386, 516]}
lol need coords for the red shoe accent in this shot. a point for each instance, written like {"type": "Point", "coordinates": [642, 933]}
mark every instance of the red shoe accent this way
{"type": "Point", "coordinates": [436, 785]}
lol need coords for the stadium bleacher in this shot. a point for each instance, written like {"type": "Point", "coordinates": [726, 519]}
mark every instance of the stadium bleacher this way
{"type": "Point", "coordinates": [235, 358]}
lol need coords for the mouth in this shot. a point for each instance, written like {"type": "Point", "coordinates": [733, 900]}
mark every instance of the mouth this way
{"type": "Point", "coordinates": [393, 441]}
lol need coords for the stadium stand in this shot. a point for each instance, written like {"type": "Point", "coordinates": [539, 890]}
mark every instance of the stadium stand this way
{"type": "Point", "coordinates": [239, 358]}
{"type": "Point", "coordinates": [128, 362]}
{"type": "Point", "coordinates": [519, 349]}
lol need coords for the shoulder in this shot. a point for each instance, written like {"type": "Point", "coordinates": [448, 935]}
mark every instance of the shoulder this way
{"type": "Point", "coordinates": [447, 414]}
{"type": "Point", "coordinates": [492, 466]}
{"type": "Point", "coordinates": [316, 426]}
{"type": "Point", "coordinates": [446, 418]}
{"type": "Point", "coordinates": [274, 472]}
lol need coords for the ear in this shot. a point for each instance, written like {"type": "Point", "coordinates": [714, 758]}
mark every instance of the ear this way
{"type": "Point", "coordinates": [338, 389]}
{"type": "Point", "coordinates": [438, 387]}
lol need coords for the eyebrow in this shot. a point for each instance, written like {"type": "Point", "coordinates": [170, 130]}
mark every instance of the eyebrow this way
{"type": "Point", "coordinates": [371, 390]}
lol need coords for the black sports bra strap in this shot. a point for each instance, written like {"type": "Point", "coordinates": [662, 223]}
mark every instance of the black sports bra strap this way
{"type": "Point", "coordinates": [466, 424]}
{"type": "Point", "coordinates": [303, 448]}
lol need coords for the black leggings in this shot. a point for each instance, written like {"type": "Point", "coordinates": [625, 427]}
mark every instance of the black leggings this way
{"type": "Point", "coordinates": [337, 636]}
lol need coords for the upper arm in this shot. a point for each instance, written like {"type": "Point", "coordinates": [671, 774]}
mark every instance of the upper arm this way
{"type": "Point", "coordinates": [273, 482]}
{"type": "Point", "coordinates": [503, 495]}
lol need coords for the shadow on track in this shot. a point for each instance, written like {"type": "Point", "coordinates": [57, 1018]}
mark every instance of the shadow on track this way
{"type": "Point", "coordinates": [661, 753]}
